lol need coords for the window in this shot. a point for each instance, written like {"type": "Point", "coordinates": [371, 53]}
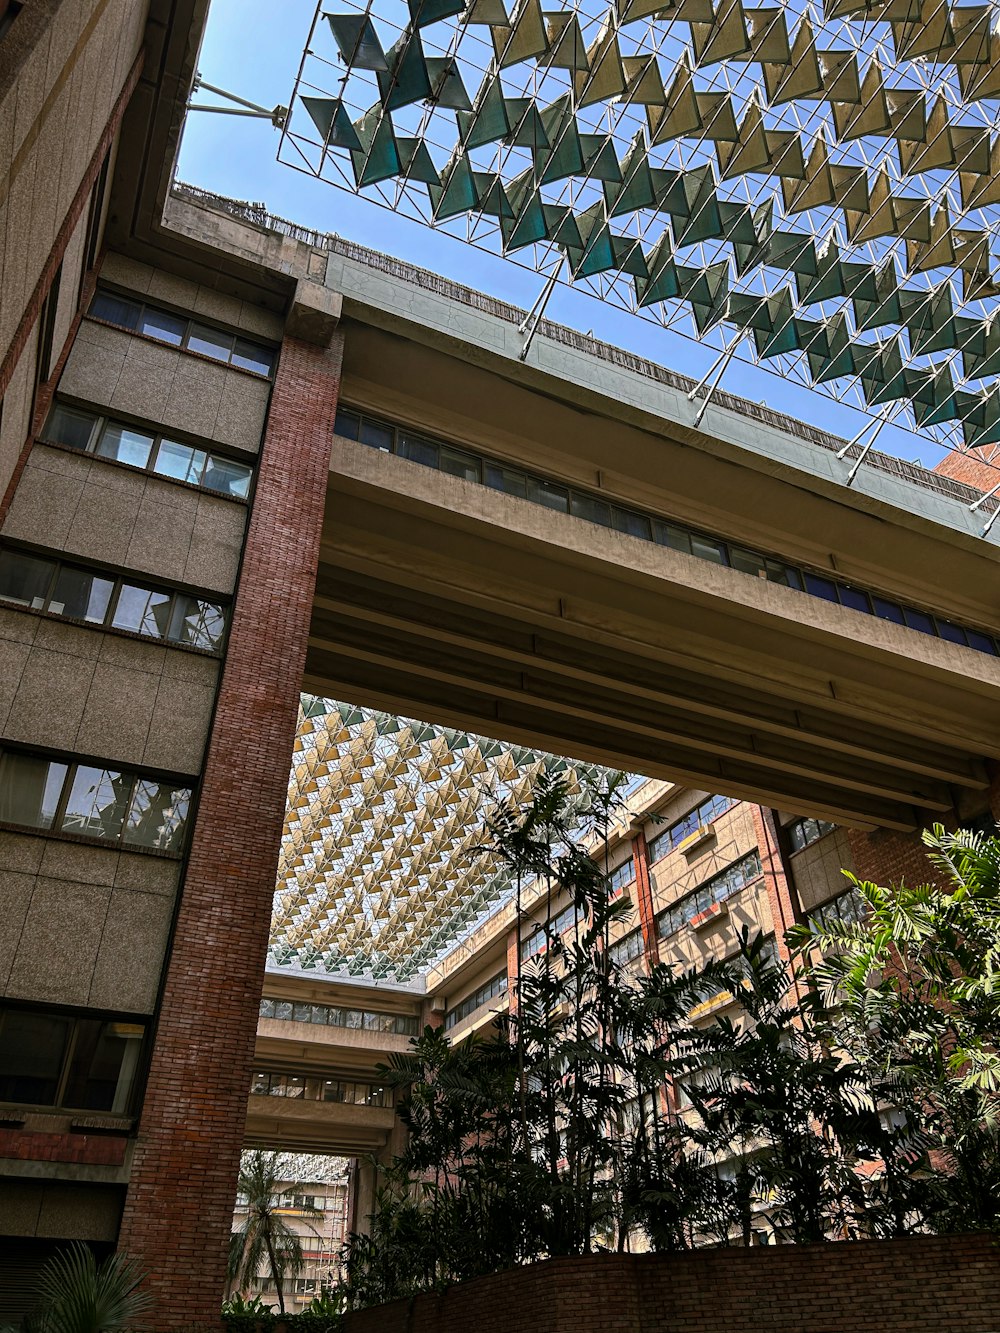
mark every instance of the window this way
{"type": "Point", "coordinates": [846, 910]}
{"type": "Point", "coordinates": [76, 428]}
{"type": "Point", "coordinates": [620, 876]}
{"type": "Point", "coordinates": [9, 10]}
{"type": "Point", "coordinates": [627, 950]}
{"type": "Point", "coordinates": [354, 424]}
{"type": "Point", "coordinates": [682, 828]}
{"type": "Point", "coordinates": [404, 1025]}
{"type": "Point", "coordinates": [715, 890]}
{"type": "Point", "coordinates": [315, 1089]}
{"type": "Point", "coordinates": [81, 1064]}
{"type": "Point", "coordinates": [489, 990]}
{"type": "Point", "coordinates": [179, 331]}
{"type": "Point", "coordinates": [801, 832]}
{"type": "Point", "coordinates": [109, 804]}
{"type": "Point", "coordinates": [536, 941]}
{"type": "Point", "coordinates": [43, 584]}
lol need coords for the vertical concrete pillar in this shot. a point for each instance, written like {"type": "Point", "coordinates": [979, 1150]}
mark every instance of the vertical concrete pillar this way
{"type": "Point", "coordinates": [644, 896]}
{"type": "Point", "coordinates": [364, 1175]}
{"type": "Point", "coordinates": [179, 1206]}
{"type": "Point", "coordinates": [777, 882]}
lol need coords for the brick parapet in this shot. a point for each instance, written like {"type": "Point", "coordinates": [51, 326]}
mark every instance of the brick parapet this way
{"type": "Point", "coordinates": [178, 1209]}
{"type": "Point", "coordinates": [26, 1145]}
{"type": "Point", "coordinates": [923, 1284]}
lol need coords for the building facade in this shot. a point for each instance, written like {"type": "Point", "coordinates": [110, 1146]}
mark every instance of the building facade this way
{"type": "Point", "coordinates": [188, 539]}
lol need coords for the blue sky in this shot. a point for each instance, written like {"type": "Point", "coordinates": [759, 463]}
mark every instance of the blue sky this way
{"type": "Point", "coordinates": [253, 48]}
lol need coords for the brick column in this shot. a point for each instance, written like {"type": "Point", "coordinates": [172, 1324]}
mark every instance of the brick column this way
{"type": "Point", "coordinates": [178, 1211]}
{"type": "Point", "coordinates": [777, 882]}
{"type": "Point", "coordinates": [513, 969]}
{"type": "Point", "coordinates": [644, 898]}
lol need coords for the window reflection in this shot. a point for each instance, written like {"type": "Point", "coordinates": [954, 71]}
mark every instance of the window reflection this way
{"type": "Point", "coordinates": [81, 1063]}
{"type": "Point", "coordinates": [97, 801]}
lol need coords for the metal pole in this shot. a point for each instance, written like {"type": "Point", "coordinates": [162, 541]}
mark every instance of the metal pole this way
{"type": "Point", "coordinates": [529, 325]}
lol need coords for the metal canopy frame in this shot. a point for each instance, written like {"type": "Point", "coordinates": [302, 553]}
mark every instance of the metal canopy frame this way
{"type": "Point", "coordinates": [811, 188]}
{"type": "Point", "coordinates": [382, 868]}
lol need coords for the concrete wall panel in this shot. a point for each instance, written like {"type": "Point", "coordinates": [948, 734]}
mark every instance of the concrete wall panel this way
{"type": "Point", "coordinates": [816, 870]}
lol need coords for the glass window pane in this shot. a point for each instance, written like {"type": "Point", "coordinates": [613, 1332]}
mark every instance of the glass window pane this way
{"type": "Point", "coordinates": [888, 610]}
{"type": "Point", "coordinates": [125, 445]}
{"type": "Point", "coordinates": [457, 464]}
{"type": "Point", "coordinates": [25, 579]}
{"type": "Point", "coordinates": [953, 633]}
{"type": "Point", "coordinates": [260, 1085]}
{"type": "Point", "coordinates": [30, 789]}
{"type": "Point", "coordinates": [784, 574]}
{"type": "Point", "coordinates": [668, 534]}
{"type": "Point", "coordinates": [162, 326]}
{"type": "Point", "coordinates": [855, 599]}
{"type": "Point", "coordinates": [504, 479]}
{"type": "Point", "coordinates": [251, 356]}
{"type": "Point", "coordinates": [227, 477]}
{"type": "Point", "coordinates": [820, 587]}
{"type": "Point", "coordinates": [97, 802]}
{"type": "Point", "coordinates": [142, 611]}
{"type": "Point", "coordinates": [981, 642]}
{"type": "Point", "coordinates": [347, 424]}
{"type": "Point", "coordinates": [283, 1009]}
{"type": "Point", "coordinates": [68, 426]}
{"type": "Point", "coordinates": [180, 461]}
{"type": "Point", "coordinates": [210, 342]}
{"type": "Point", "coordinates": [32, 1049]}
{"type": "Point", "coordinates": [594, 511]}
{"type": "Point", "coordinates": [196, 623]}
{"type": "Point", "coordinates": [636, 525]}
{"type": "Point", "coordinates": [82, 595]}
{"type": "Point", "coordinates": [548, 494]}
{"type": "Point", "coordinates": [116, 310]}
{"type": "Point", "coordinates": [416, 449]}
{"type": "Point", "coordinates": [747, 562]}
{"type": "Point", "coordinates": [103, 1065]}
{"type": "Point", "coordinates": [157, 815]}
{"type": "Point", "coordinates": [376, 435]}
{"type": "Point", "coordinates": [918, 620]}
{"type": "Point", "coordinates": [706, 548]}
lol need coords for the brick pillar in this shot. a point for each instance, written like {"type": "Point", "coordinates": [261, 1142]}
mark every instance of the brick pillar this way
{"type": "Point", "coordinates": [513, 969]}
{"type": "Point", "coordinates": [644, 898]}
{"type": "Point", "coordinates": [178, 1210]}
{"type": "Point", "coordinates": [777, 882]}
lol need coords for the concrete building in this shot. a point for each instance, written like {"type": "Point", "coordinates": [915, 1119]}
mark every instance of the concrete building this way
{"type": "Point", "coordinates": [194, 530]}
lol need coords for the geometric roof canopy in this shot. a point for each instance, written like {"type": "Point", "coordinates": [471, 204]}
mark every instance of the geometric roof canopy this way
{"type": "Point", "coordinates": [381, 867]}
{"type": "Point", "coordinates": [812, 186]}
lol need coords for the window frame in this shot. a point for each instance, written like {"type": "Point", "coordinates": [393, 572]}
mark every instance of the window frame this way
{"type": "Point", "coordinates": [191, 322]}
{"type": "Point", "coordinates": [72, 763]}
{"type": "Point", "coordinates": [119, 580]}
{"type": "Point", "coordinates": [76, 1017]}
{"type": "Point", "coordinates": [102, 421]}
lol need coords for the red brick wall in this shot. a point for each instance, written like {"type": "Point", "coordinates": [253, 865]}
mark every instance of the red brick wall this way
{"type": "Point", "coordinates": [644, 898]}
{"type": "Point", "coordinates": [776, 881]}
{"type": "Point", "coordinates": [28, 1145]}
{"type": "Point", "coordinates": [178, 1210]}
{"type": "Point", "coordinates": [973, 469]}
{"type": "Point", "coordinates": [925, 1284]}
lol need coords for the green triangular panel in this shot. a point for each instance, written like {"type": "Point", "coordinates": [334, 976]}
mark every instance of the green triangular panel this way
{"type": "Point", "coordinates": [885, 308]}
{"type": "Point", "coordinates": [406, 80]}
{"type": "Point", "coordinates": [458, 195]}
{"type": "Point", "coordinates": [526, 128]}
{"type": "Point", "coordinates": [416, 162]}
{"type": "Point", "coordinates": [662, 283]}
{"type": "Point", "coordinates": [379, 158]}
{"type": "Point", "coordinates": [423, 12]}
{"type": "Point", "coordinates": [488, 11]}
{"type": "Point", "coordinates": [597, 254]}
{"type": "Point", "coordinates": [447, 88]}
{"type": "Point", "coordinates": [560, 226]}
{"type": "Point", "coordinates": [600, 161]}
{"type": "Point", "coordinates": [489, 122]}
{"type": "Point", "coordinates": [330, 117]}
{"type": "Point", "coordinates": [566, 159]}
{"type": "Point", "coordinates": [357, 41]}
{"type": "Point", "coordinates": [635, 190]}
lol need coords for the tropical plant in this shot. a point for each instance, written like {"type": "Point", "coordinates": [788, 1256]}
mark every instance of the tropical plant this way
{"type": "Point", "coordinates": [264, 1239]}
{"type": "Point", "coordinates": [79, 1295]}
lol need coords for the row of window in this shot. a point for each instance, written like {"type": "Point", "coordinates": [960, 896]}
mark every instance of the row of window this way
{"type": "Point", "coordinates": [801, 832]}
{"type": "Point", "coordinates": [180, 331]}
{"type": "Point", "coordinates": [78, 593]}
{"type": "Point", "coordinates": [846, 910]}
{"type": "Point", "coordinates": [627, 950]}
{"type": "Point", "coordinates": [702, 814]}
{"type": "Point", "coordinates": [79, 1064]}
{"type": "Point", "coordinates": [319, 1089]}
{"type": "Point", "coordinates": [537, 941]}
{"type": "Point", "coordinates": [146, 450]}
{"type": "Point", "coordinates": [377, 434]}
{"type": "Point", "coordinates": [489, 990]}
{"type": "Point", "coordinates": [112, 804]}
{"type": "Point", "coordinates": [715, 890]}
{"type": "Point", "coordinates": [404, 1025]}
{"type": "Point", "coordinates": [620, 877]}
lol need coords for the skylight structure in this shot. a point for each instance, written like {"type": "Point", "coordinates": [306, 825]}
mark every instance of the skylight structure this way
{"type": "Point", "coordinates": [814, 187]}
{"type": "Point", "coordinates": [382, 864]}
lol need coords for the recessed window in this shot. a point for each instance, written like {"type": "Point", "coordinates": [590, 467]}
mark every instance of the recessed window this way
{"type": "Point", "coordinates": [179, 331]}
{"type": "Point", "coordinates": [376, 435]}
{"type": "Point", "coordinates": [9, 10]}
{"type": "Point", "coordinates": [548, 494]}
{"type": "Point", "coordinates": [802, 832]}
{"type": "Point", "coordinates": [594, 511]}
{"type": "Point", "coordinates": [81, 1064]}
{"type": "Point", "coordinates": [78, 593]}
{"type": "Point", "coordinates": [91, 801]}
{"type": "Point", "coordinates": [715, 890]}
{"type": "Point", "coordinates": [855, 599]}
{"type": "Point", "coordinates": [417, 449]}
{"type": "Point", "coordinates": [918, 620]}
{"type": "Point", "coordinates": [820, 587]}
{"type": "Point", "coordinates": [888, 610]}
{"type": "Point", "coordinates": [703, 813]}
{"type": "Point", "coordinates": [77, 429]}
